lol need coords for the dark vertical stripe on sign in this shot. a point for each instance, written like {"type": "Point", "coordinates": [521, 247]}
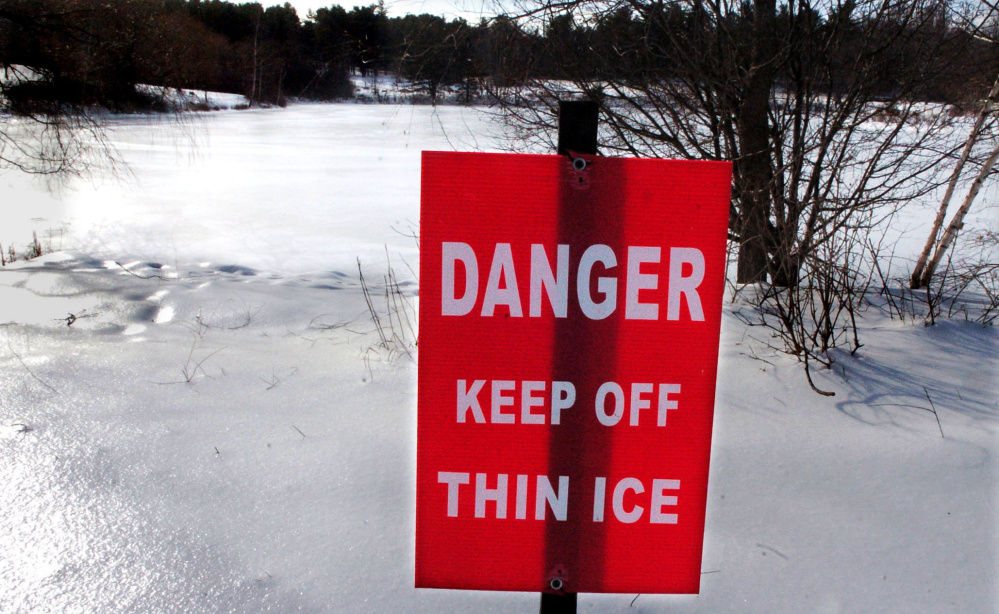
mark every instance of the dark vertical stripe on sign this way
{"type": "Point", "coordinates": [585, 352]}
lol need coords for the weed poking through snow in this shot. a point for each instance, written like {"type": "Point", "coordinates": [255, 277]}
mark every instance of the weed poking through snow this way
{"type": "Point", "coordinates": [395, 325]}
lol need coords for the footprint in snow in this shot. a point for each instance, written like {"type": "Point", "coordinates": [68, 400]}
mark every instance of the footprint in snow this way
{"type": "Point", "coordinates": [164, 315]}
{"type": "Point", "coordinates": [235, 269]}
{"type": "Point", "coordinates": [133, 329]}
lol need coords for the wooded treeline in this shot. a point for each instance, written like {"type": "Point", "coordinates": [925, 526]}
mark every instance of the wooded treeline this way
{"type": "Point", "coordinates": [95, 52]}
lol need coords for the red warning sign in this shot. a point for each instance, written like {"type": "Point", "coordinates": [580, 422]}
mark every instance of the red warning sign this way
{"type": "Point", "coordinates": [569, 324]}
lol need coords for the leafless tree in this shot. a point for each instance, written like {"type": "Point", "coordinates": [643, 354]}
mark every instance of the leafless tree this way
{"type": "Point", "coordinates": [980, 23]}
{"type": "Point", "coordinates": [65, 64]}
{"type": "Point", "coordinates": [67, 142]}
{"type": "Point", "coordinates": [45, 45]}
{"type": "Point", "coordinates": [817, 104]}
{"type": "Point", "coordinates": [822, 106]}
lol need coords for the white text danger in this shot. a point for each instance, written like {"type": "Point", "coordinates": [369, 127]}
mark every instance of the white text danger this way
{"type": "Point", "coordinates": [548, 280]}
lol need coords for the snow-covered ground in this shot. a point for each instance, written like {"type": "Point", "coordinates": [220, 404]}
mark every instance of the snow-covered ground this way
{"type": "Point", "coordinates": [390, 88]}
{"type": "Point", "coordinates": [196, 414]}
{"type": "Point", "coordinates": [188, 100]}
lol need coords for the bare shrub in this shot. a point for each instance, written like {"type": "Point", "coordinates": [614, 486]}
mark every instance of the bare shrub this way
{"type": "Point", "coordinates": [393, 315]}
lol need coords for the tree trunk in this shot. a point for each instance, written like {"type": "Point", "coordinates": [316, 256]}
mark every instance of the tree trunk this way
{"type": "Point", "coordinates": [916, 281]}
{"type": "Point", "coordinates": [755, 165]}
{"type": "Point", "coordinates": [957, 223]}
{"type": "Point", "coordinates": [752, 262]}
{"type": "Point", "coordinates": [253, 86]}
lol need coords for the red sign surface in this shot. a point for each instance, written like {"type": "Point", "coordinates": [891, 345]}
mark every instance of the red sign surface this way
{"type": "Point", "coordinates": [569, 326]}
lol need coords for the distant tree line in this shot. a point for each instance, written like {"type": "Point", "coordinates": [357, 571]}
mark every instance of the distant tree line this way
{"type": "Point", "coordinates": [95, 52]}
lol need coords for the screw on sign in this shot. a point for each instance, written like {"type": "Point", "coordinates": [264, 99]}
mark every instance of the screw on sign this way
{"type": "Point", "coordinates": [568, 353]}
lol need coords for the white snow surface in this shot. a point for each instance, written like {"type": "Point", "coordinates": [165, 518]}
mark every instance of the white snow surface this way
{"type": "Point", "coordinates": [196, 416]}
{"type": "Point", "coordinates": [184, 99]}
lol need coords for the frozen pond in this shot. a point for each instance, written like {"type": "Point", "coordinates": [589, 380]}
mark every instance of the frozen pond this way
{"type": "Point", "coordinates": [308, 188]}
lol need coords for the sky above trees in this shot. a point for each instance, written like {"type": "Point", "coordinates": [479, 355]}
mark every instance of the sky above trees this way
{"type": "Point", "coordinates": [470, 10]}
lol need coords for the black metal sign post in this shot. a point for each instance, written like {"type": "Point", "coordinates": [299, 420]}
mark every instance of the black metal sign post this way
{"type": "Point", "coordinates": [577, 134]}
{"type": "Point", "coordinates": [577, 126]}
{"type": "Point", "coordinates": [552, 603]}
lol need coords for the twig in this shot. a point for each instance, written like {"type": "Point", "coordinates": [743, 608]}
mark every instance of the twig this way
{"type": "Point", "coordinates": [755, 357]}
{"type": "Point", "coordinates": [71, 319]}
{"type": "Point", "coordinates": [774, 550]}
{"type": "Point", "coordinates": [133, 274]}
{"type": "Point", "coordinates": [27, 368]}
{"type": "Point", "coordinates": [934, 410]}
{"type": "Point", "coordinates": [743, 318]}
{"type": "Point", "coordinates": [808, 376]}
{"type": "Point", "coordinates": [275, 380]}
{"type": "Point", "coordinates": [189, 373]}
{"type": "Point", "coordinates": [371, 307]}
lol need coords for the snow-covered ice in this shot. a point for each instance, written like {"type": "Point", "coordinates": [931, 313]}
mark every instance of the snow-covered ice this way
{"type": "Point", "coordinates": [196, 416]}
